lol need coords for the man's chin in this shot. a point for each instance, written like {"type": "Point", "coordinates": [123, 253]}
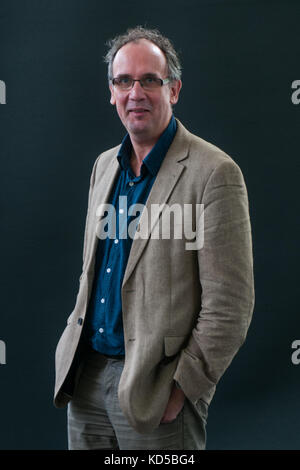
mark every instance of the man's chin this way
{"type": "Point", "coordinates": [138, 128]}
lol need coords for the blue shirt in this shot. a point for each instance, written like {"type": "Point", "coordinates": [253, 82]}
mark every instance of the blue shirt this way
{"type": "Point", "coordinates": [103, 328]}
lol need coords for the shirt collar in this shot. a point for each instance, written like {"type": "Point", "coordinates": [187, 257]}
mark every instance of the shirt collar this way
{"type": "Point", "coordinates": [154, 158]}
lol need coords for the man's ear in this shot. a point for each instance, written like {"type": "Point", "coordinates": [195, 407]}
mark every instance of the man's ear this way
{"type": "Point", "coordinates": [175, 88]}
{"type": "Point", "coordinates": [112, 95]}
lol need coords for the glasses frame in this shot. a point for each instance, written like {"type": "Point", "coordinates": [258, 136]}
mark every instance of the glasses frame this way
{"type": "Point", "coordinates": [162, 81]}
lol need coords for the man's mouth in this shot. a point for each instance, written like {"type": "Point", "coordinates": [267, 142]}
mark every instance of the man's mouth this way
{"type": "Point", "coordinates": [138, 110]}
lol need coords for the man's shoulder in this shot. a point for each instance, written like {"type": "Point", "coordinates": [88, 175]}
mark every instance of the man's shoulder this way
{"type": "Point", "coordinates": [102, 162]}
{"type": "Point", "coordinates": [108, 154]}
{"type": "Point", "coordinates": [105, 157]}
{"type": "Point", "coordinates": [203, 154]}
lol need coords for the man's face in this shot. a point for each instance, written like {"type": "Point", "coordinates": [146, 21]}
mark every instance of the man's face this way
{"type": "Point", "coordinates": [144, 113]}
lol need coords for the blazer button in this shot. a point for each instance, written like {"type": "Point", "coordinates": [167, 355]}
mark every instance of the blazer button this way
{"type": "Point", "coordinates": [80, 321]}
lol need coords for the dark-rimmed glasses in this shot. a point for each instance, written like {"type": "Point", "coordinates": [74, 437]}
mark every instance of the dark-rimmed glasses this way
{"type": "Point", "coordinates": [148, 82]}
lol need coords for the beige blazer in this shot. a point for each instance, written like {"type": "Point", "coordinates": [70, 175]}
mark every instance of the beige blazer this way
{"type": "Point", "coordinates": [185, 312]}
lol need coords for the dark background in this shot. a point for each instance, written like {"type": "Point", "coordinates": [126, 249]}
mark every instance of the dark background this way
{"type": "Point", "coordinates": [239, 60]}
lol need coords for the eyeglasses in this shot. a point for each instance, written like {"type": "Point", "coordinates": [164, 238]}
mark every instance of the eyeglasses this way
{"type": "Point", "coordinates": [148, 82]}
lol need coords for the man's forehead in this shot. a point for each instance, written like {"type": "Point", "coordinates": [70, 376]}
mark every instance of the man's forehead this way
{"type": "Point", "coordinates": [139, 53]}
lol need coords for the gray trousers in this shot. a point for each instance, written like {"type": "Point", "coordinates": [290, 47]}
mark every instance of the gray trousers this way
{"type": "Point", "coordinates": [96, 421]}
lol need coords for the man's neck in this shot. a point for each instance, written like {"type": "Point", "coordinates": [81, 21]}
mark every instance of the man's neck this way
{"type": "Point", "coordinates": [141, 146]}
{"type": "Point", "coordinates": [139, 152]}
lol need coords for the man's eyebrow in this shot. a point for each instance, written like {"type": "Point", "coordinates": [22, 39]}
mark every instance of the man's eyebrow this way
{"type": "Point", "coordinates": [121, 75]}
{"type": "Point", "coordinates": [149, 74]}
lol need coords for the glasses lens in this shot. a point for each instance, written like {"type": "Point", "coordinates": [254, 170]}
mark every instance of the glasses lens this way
{"type": "Point", "coordinates": [150, 82]}
{"type": "Point", "coordinates": [124, 83]}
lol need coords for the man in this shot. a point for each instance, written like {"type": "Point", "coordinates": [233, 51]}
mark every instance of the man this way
{"type": "Point", "coordinates": [157, 320]}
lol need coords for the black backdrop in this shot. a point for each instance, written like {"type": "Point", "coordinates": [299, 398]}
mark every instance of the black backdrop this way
{"type": "Point", "coordinates": [240, 59]}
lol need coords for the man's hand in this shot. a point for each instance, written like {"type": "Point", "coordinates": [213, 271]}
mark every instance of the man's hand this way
{"type": "Point", "coordinates": [174, 406]}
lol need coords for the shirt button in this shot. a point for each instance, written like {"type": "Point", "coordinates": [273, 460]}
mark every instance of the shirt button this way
{"type": "Point", "coordinates": [131, 183]}
{"type": "Point", "coordinates": [101, 330]}
{"type": "Point", "coordinates": [102, 301]}
{"type": "Point", "coordinates": [121, 211]}
{"type": "Point", "coordinates": [108, 270]}
{"type": "Point", "coordinates": [116, 241]}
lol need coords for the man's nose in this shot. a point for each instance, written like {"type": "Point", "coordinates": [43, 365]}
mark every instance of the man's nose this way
{"type": "Point", "coordinates": [137, 91]}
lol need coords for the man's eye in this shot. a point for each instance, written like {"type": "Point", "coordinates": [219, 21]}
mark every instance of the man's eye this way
{"type": "Point", "coordinates": [124, 80]}
{"type": "Point", "coordinates": [149, 79]}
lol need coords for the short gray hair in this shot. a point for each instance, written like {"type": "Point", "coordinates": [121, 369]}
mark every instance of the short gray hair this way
{"type": "Point", "coordinates": [153, 35]}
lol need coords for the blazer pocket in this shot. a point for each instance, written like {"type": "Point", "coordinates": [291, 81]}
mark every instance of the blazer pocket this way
{"type": "Point", "coordinates": [174, 344]}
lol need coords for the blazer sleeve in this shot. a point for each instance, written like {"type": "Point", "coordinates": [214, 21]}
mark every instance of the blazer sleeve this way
{"type": "Point", "coordinates": [226, 278]}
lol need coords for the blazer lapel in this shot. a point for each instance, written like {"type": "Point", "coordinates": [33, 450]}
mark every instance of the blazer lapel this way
{"type": "Point", "coordinates": [103, 193]}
